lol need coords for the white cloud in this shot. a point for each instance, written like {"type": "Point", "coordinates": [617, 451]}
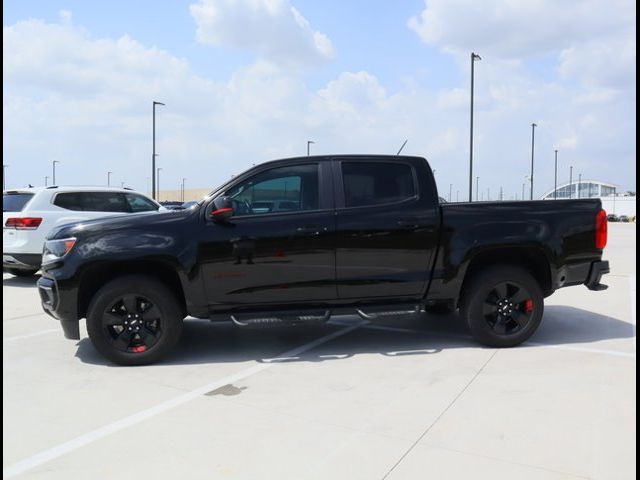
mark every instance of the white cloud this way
{"type": "Point", "coordinates": [518, 29]}
{"type": "Point", "coordinates": [273, 29]}
{"type": "Point", "coordinates": [87, 102]}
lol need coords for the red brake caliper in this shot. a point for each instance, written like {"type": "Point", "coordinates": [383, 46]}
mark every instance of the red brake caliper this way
{"type": "Point", "coordinates": [528, 306]}
{"type": "Point", "coordinates": [138, 349]}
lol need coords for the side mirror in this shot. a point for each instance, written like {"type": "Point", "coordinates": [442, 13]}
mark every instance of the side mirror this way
{"type": "Point", "coordinates": [222, 209]}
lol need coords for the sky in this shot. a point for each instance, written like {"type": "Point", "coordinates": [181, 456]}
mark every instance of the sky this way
{"type": "Point", "coordinates": [246, 81]}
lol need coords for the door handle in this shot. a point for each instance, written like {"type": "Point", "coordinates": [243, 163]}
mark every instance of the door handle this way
{"type": "Point", "coordinates": [409, 224]}
{"type": "Point", "coordinates": [311, 230]}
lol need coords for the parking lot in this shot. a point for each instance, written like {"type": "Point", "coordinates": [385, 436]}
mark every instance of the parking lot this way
{"type": "Point", "coordinates": [406, 398]}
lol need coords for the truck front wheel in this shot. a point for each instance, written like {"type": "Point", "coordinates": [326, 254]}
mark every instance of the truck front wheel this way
{"type": "Point", "coordinates": [134, 320]}
{"type": "Point", "coordinates": [502, 305]}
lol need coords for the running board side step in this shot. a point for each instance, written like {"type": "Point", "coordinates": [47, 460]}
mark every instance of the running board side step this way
{"type": "Point", "coordinates": [418, 309]}
{"type": "Point", "coordinates": [281, 319]}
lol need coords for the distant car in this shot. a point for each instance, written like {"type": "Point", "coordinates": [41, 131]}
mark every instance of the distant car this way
{"type": "Point", "coordinates": [28, 214]}
{"type": "Point", "coordinates": [172, 205]}
{"type": "Point", "coordinates": [623, 218]}
{"type": "Point", "coordinates": [612, 218]}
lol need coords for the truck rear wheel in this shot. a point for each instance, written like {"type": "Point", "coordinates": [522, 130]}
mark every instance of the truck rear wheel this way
{"type": "Point", "coordinates": [134, 320]}
{"type": "Point", "coordinates": [503, 306]}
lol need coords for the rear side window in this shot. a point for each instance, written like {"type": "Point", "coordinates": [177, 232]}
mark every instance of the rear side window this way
{"type": "Point", "coordinates": [15, 202]}
{"type": "Point", "coordinates": [376, 183]}
{"type": "Point", "coordinates": [138, 203]}
{"type": "Point", "coordinates": [92, 201]}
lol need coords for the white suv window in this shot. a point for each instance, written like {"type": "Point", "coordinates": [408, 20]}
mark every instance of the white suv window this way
{"type": "Point", "coordinates": [92, 201]}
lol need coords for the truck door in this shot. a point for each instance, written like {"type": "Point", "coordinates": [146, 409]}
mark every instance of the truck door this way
{"type": "Point", "coordinates": [278, 247]}
{"type": "Point", "coordinates": [387, 221]}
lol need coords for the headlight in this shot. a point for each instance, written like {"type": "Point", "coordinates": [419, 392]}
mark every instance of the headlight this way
{"type": "Point", "coordinates": [55, 250]}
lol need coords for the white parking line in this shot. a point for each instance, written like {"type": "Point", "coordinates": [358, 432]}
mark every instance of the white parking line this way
{"type": "Point", "coordinates": [90, 437]}
{"type": "Point", "coordinates": [30, 335]}
{"type": "Point", "coordinates": [533, 344]}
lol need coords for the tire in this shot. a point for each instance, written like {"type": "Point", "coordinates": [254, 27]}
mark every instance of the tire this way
{"type": "Point", "coordinates": [439, 309]}
{"type": "Point", "coordinates": [19, 272]}
{"type": "Point", "coordinates": [134, 320]}
{"type": "Point", "coordinates": [502, 305]}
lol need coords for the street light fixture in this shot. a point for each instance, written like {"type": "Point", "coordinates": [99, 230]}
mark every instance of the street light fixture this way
{"type": "Point", "coordinates": [309, 142]}
{"type": "Point", "coordinates": [46, 180]}
{"type": "Point", "coordinates": [54, 171]}
{"type": "Point", "coordinates": [474, 57]}
{"type": "Point", "coordinates": [109, 179]}
{"type": "Point", "coordinates": [450, 188]}
{"type": "Point", "coordinates": [153, 157]}
{"type": "Point", "coordinates": [533, 131]}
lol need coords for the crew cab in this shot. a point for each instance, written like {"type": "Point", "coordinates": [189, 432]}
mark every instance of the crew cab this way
{"type": "Point", "coordinates": [298, 240]}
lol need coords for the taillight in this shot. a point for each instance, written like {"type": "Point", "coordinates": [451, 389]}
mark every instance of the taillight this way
{"type": "Point", "coordinates": [23, 223]}
{"type": "Point", "coordinates": [601, 229]}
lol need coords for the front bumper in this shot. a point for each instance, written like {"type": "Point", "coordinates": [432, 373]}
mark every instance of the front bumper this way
{"type": "Point", "coordinates": [598, 269]}
{"type": "Point", "coordinates": [60, 304]}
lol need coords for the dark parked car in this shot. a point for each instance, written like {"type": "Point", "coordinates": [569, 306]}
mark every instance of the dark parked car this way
{"type": "Point", "coordinates": [623, 218]}
{"type": "Point", "coordinates": [612, 218]}
{"type": "Point", "coordinates": [360, 233]}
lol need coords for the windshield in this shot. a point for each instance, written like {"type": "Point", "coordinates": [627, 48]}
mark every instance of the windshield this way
{"type": "Point", "coordinates": [15, 201]}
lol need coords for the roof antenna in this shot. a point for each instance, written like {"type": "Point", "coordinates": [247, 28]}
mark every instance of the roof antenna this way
{"type": "Point", "coordinates": [405, 142]}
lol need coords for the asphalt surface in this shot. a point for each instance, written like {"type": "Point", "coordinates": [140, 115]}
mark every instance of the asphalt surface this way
{"type": "Point", "coordinates": [407, 398]}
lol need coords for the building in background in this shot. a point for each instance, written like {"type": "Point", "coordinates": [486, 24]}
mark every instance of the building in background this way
{"type": "Point", "coordinates": [613, 201]}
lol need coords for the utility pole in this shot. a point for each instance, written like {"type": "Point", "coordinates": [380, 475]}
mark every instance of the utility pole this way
{"type": "Point", "coordinates": [183, 179]}
{"type": "Point", "coordinates": [533, 134]}
{"type": "Point", "coordinates": [309, 142]}
{"type": "Point", "coordinates": [571, 181]}
{"type": "Point", "coordinates": [555, 178]}
{"type": "Point", "coordinates": [523, 191]}
{"type": "Point", "coordinates": [109, 179]}
{"type": "Point", "coordinates": [477, 187]}
{"type": "Point", "coordinates": [450, 188]}
{"type": "Point", "coordinates": [474, 57]}
{"type": "Point", "coordinates": [46, 180]}
{"type": "Point", "coordinates": [153, 156]}
{"type": "Point", "coordinates": [158, 180]}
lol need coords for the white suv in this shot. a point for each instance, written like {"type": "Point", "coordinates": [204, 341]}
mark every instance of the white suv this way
{"type": "Point", "coordinates": [28, 214]}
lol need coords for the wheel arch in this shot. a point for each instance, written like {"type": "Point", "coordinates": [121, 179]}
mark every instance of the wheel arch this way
{"type": "Point", "coordinates": [97, 275]}
{"type": "Point", "coordinates": [532, 259]}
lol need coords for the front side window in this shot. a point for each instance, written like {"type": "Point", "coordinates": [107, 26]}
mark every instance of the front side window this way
{"type": "Point", "coordinates": [376, 183]}
{"type": "Point", "coordinates": [283, 189]}
{"type": "Point", "coordinates": [138, 203]}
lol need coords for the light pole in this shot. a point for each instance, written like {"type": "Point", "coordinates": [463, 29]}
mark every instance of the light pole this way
{"type": "Point", "coordinates": [183, 179]}
{"type": "Point", "coordinates": [109, 179]}
{"type": "Point", "coordinates": [46, 180]}
{"type": "Point", "coordinates": [158, 180]}
{"type": "Point", "coordinates": [533, 133]}
{"type": "Point", "coordinates": [153, 157]}
{"type": "Point", "coordinates": [121, 184]}
{"type": "Point", "coordinates": [457, 195]}
{"type": "Point", "coordinates": [4, 176]}
{"type": "Point", "coordinates": [477, 187]}
{"type": "Point", "coordinates": [501, 196]}
{"type": "Point", "coordinates": [474, 57]}
{"type": "Point", "coordinates": [579, 183]}
{"type": "Point", "coordinates": [450, 189]}
{"type": "Point", "coordinates": [555, 178]}
{"type": "Point", "coordinates": [523, 191]}
{"type": "Point", "coordinates": [309, 142]}
{"type": "Point", "coordinates": [571, 181]}
{"type": "Point", "coordinates": [488, 195]}
{"type": "Point", "coordinates": [53, 179]}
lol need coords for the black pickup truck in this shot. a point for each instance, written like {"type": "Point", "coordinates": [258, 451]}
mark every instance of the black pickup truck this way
{"type": "Point", "coordinates": [294, 241]}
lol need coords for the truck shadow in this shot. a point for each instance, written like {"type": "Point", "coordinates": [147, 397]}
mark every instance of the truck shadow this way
{"type": "Point", "coordinates": [22, 282]}
{"type": "Point", "coordinates": [204, 342]}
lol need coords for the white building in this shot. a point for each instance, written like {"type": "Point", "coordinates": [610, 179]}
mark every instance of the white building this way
{"type": "Point", "coordinates": [612, 201]}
